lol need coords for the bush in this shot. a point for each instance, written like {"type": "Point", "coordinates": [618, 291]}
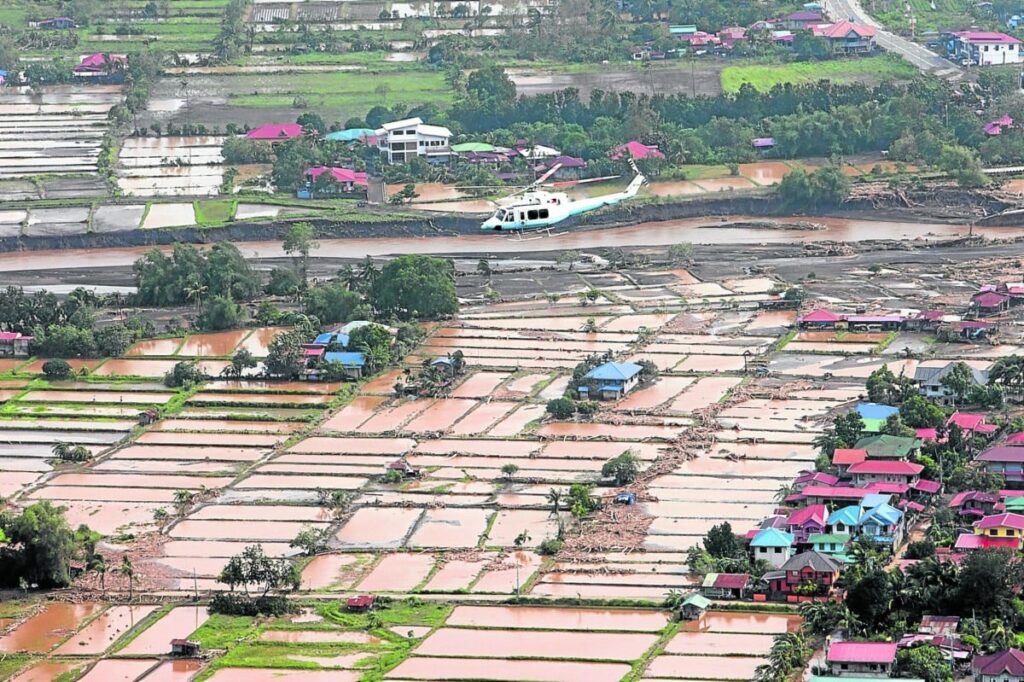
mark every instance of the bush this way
{"type": "Point", "coordinates": [561, 408]}
{"type": "Point", "coordinates": [57, 369]}
{"type": "Point", "coordinates": [283, 282]}
{"type": "Point", "coordinates": [550, 547]}
{"type": "Point", "coordinates": [232, 604]}
{"type": "Point", "coordinates": [186, 373]}
{"type": "Point", "coordinates": [623, 469]}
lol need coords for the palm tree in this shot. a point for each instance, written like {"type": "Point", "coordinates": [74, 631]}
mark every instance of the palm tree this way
{"type": "Point", "coordinates": [555, 498]}
{"type": "Point", "coordinates": [522, 539]}
{"type": "Point", "coordinates": [61, 450]}
{"type": "Point", "coordinates": [194, 291]}
{"type": "Point", "coordinates": [127, 570]}
{"type": "Point", "coordinates": [99, 564]}
{"type": "Point", "coordinates": [784, 491]}
{"type": "Point", "coordinates": [368, 273]}
{"type": "Point", "coordinates": [996, 637]}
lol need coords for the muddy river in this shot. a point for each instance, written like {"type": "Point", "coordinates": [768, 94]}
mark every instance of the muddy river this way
{"type": "Point", "coordinates": [696, 230]}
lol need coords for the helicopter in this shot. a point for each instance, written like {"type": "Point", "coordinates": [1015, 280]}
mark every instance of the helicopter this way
{"type": "Point", "coordinates": [537, 209]}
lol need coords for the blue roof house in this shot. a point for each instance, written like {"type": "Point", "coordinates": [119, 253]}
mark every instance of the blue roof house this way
{"type": "Point", "coordinates": [774, 546]}
{"type": "Point", "coordinates": [844, 521]}
{"type": "Point", "coordinates": [610, 381]}
{"type": "Point", "coordinates": [354, 363]}
{"type": "Point", "coordinates": [327, 338]}
{"type": "Point", "coordinates": [883, 524]}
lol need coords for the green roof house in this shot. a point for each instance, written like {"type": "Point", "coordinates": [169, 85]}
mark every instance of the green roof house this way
{"type": "Point", "coordinates": [888, 447]}
{"type": "Point", "coordinates": [832, 544]}
{"type": "Point", "coordinates": [773, 545]}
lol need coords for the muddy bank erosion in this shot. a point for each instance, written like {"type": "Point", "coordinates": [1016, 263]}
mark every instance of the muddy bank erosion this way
{"type": "Point", "coordinates": [959, 207]}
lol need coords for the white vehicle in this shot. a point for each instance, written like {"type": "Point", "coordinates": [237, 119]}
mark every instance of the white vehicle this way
{"type": "Point", "coordinates": [537, 209]}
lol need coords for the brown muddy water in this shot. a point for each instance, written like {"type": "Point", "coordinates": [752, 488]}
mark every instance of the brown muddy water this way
{"type": "Point", "coordinates": [41, 632]}
{"type": "Point", "coordinates": [397, 573]}
{"type": "Point", "coordinates": [425, 668]}
{"type": "Point", "coordinates": [557, 619]}
{"type": "Point", "coordinates": [537, 644]}
{"type": "Point", "coordinates": [102, 632]}
{"type": "Point", "coordinates": [695, 230]}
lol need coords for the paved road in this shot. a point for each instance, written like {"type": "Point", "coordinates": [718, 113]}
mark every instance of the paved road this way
{"type": "Point", "coordinates": [915, 54]}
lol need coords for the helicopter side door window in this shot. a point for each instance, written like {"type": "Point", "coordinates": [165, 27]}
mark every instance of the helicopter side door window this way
{"type": "Point", "coordinates": [531, 215]}
{"type": "Point", "coordinates": [543, 213]}
{"type": "Point", "coordinates": [508, 217]}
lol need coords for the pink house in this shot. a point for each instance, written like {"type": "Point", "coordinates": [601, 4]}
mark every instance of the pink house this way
{"type": "Point", "coordinates": [343, 176]}
{"type": "Point", "coordinates": [100, 64]}
{"type": "Point", "coordinates": [821, 319]}
{"type": "Point", "coordinates": [275, 132]}
{"type": "Point", "coordinates": [885, 471]}
{"type": "Point", "coordinates": [807, 521]}
{"type": "Point", "coordinates": [861, 658]}
{"type": "Point", "coordinates": [636, 151]}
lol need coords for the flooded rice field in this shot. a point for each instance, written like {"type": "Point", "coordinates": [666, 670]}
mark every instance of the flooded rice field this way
{"type": "Point", "coordinates": [53, 129]}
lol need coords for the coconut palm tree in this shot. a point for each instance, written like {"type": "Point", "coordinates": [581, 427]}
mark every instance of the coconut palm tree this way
{"type": "Point", "coordinates": [61, 450]}
{"type": "Point", "coordinates": [555, 498]}
{"type": "Point", "coordinates": [127, 570]}
{"type": "Point", "coordinates": [784, 491]}
{"type": "Point", "coordinates": [99, 564]}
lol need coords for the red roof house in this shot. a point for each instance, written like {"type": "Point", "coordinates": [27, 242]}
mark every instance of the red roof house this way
{"type": "Point", "coordinates": [966, 542]}
{"type": "Point", "coordinates": [885, 471]}
{"type": "Point", "coordinates": [990, 301]}
{"type": "Point", "coordinates": [725, 585]}
{"type": "Point", "coordinates": [971, 423]}
{"type": "Point", "coordinates": [1003, 665]}
{"type": "Point", "coordinates": [274, 132]}
{"type": "Point", "coordinates": [1008, 521]}
{"type": "Point", "coordinates": [99, 64]}
{"type": "Point", "coordinates": [343, 176]}
{"type": "Point", "coordinates": [636, 151]}
{"type": "Point", "coordinates": [844, 458]}
{"type": "Point", "coordinates": [820, 319]}
{"type": "Point", "coordinates": [851, 658]}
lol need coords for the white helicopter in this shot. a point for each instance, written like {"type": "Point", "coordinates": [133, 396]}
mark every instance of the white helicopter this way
{"type": "Point", "coordinates": [537, 209]}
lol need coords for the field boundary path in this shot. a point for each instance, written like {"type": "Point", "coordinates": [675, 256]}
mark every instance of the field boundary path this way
{"type": "Point", "coordinates": [919, 56]}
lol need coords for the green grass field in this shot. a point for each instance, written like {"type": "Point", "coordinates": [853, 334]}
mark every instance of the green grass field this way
{"type": "Point", "coordinates": [350, 93]}
{"type": "Point", "coordinates": [766, 76]}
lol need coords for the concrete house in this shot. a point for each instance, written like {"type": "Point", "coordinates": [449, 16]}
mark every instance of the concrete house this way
{"type": "Point", "coordinates": [883, 524]}
{"type": "Point", "coordinates": [14, 344]}
{"type": "Point", "coordinates": [864, 659]}
{"type": "Point", "coordinates": [1005, 460]}
{"type": "Point", "coordinates": [830, 544]}
{"type": "Point", "coordinates": [885, 471]}
{"type": "Point", "coordinates": [402, 141]}
{"type": "Point", "coordinates": [610, 381]}
{"type": "Point", "coordinates": [986, 49]}
{"type": "Point", "coordinates": [773, 545]}
{"type": "Point", "coordinates": [929, 381]}
{"type": "Point", "coordinates": [888, 447]}
{"type": "Point", "coordinates": [807, 571]}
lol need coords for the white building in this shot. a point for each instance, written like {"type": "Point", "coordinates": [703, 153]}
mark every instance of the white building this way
{"type": "Point", "coordinates": [985, 49]}
{"type": "Point", "coordinates": [400, 141]}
